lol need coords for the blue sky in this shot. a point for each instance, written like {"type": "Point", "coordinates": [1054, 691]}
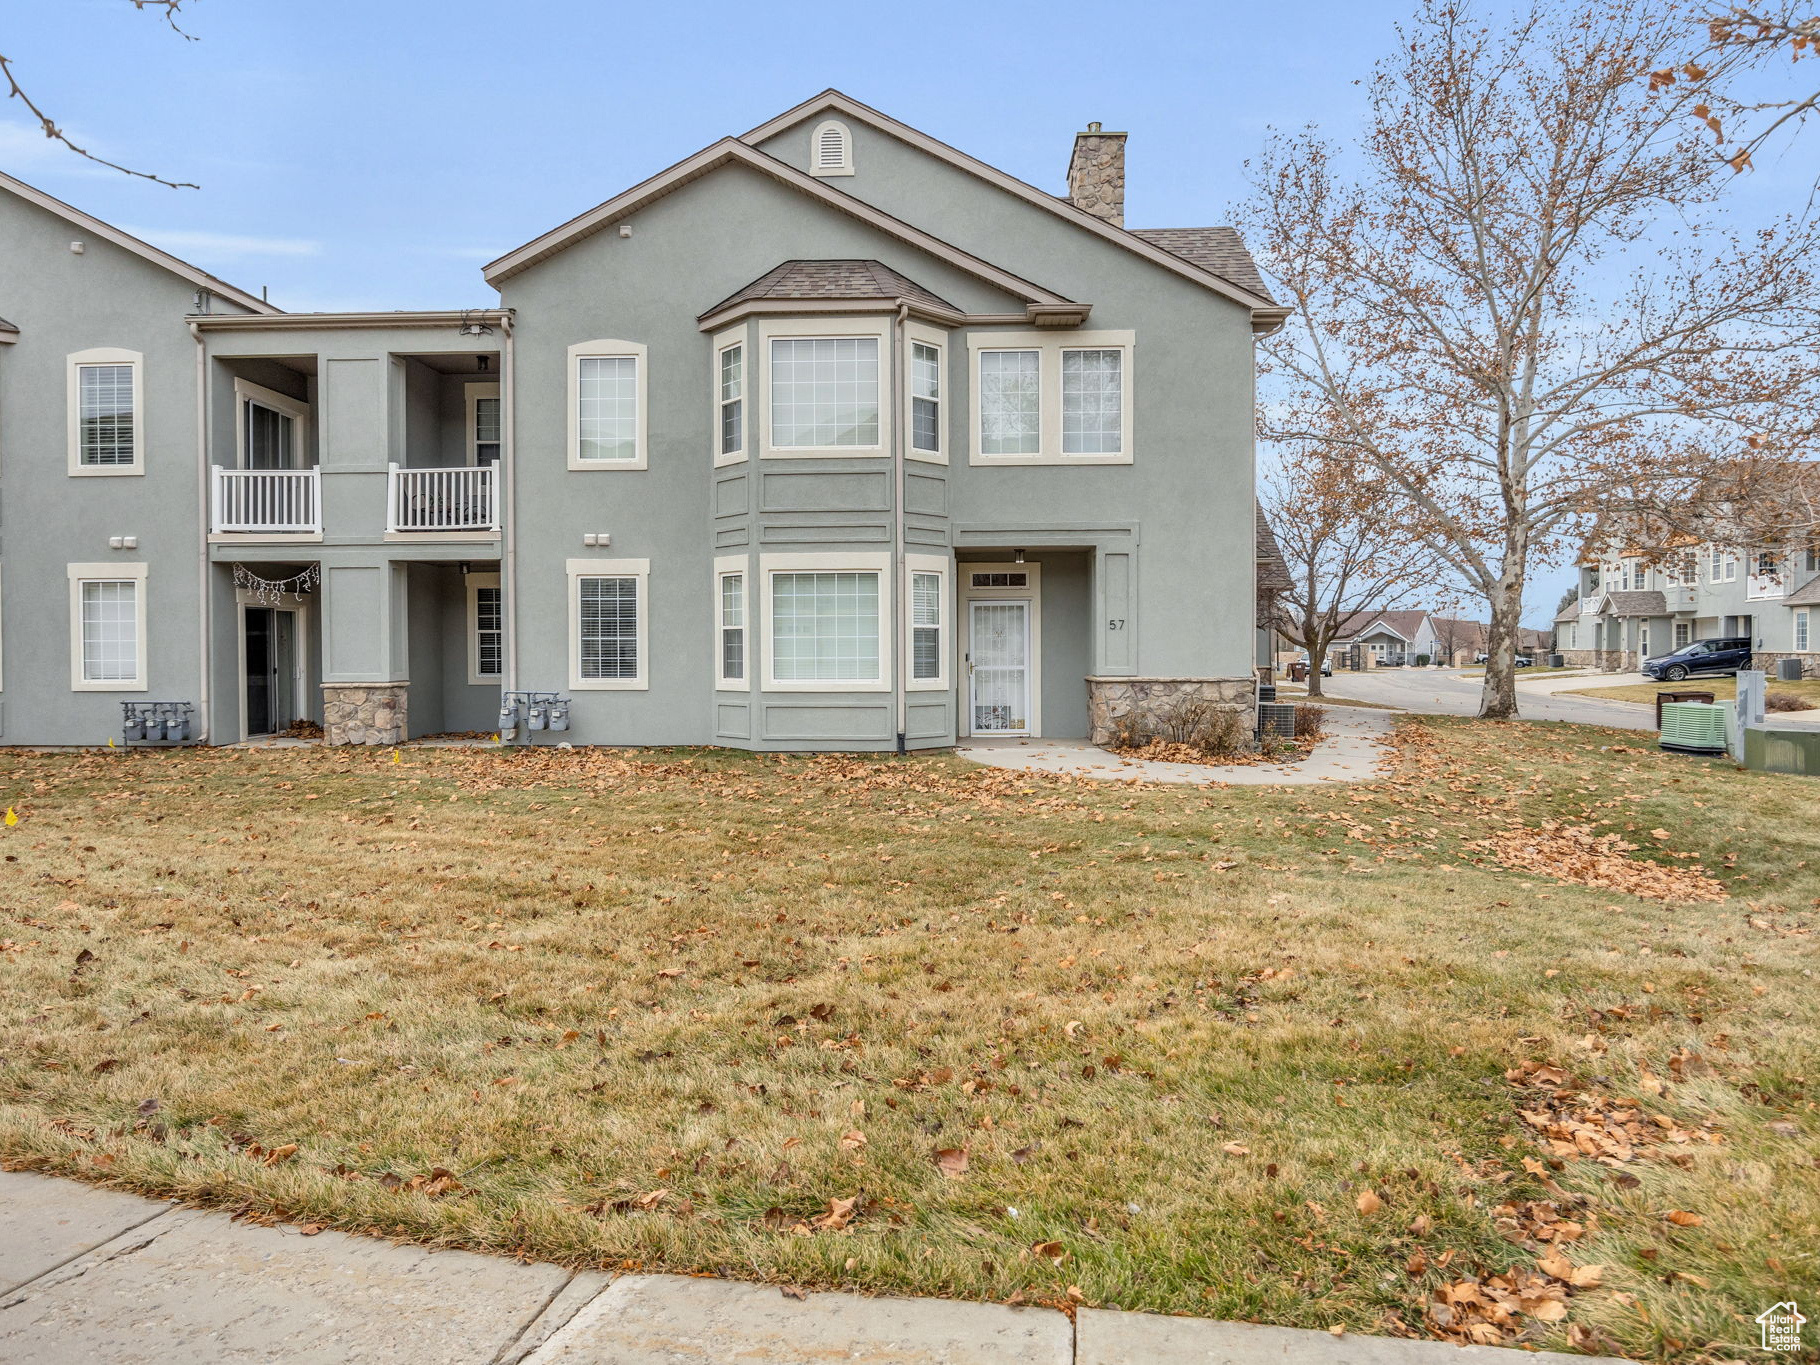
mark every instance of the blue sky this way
{"type": "Point", "coordinates": [375, 153]}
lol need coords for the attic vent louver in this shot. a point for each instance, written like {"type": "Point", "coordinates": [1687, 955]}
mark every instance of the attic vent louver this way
{"type": "Point", "coordinates": [831, 150]}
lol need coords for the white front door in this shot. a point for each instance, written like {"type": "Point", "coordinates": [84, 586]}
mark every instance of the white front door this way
{"type": "Point", "coordinates": [998, 667]}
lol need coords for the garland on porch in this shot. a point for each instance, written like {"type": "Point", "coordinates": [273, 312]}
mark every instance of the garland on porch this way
{"type": "Point", "coordinates": [273, 591]}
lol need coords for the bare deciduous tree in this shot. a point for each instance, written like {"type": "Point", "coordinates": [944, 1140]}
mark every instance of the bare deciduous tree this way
{"type": "Point", "coordinates": [1520, 299]}
{"type": "Point", "coordinates": [1345, 552]}
{"type": "Point", "coordinates": [168, 10]}
{"type": "Point", "coordinates": [1761, 34]}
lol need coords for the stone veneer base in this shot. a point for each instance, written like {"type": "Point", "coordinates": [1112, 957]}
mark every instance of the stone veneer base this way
{"type": "Point", "coordinates": [365, 713]}
{"type": "Point", "coordinates": [1111, 699]}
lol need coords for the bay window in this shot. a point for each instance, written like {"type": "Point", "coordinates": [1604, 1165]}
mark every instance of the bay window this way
{"type": "Point", "coordinates": [730, 630]}
{"type": "Point", "coordinates": [730, 403]}
{"type": "Point", "coordinates": [926, 397]}
{"type": "Point", "coordinates": [824, 393]}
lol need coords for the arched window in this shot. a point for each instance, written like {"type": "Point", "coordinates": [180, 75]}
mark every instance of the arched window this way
{"type": "Point", "coordinates": [831, 150]}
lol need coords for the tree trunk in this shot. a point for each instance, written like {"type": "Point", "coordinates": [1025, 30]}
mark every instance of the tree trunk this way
{"type": "Point", "coordinates": [1314, 680]}
{"type": "Point", "coordinates": [1499, 699]}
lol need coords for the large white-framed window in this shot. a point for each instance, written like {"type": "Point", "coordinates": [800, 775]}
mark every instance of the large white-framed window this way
{"type": "Point", "coordinates": [107, 627]}
{"type": "Point", "coordinates": [106, 400]}
{"type": "Point", "coordinates": [831, 149]}
{"type": "Point", "coordinates": [271, 429]}
{"type": "Point", "coordinates": [486, 629]}
{"type": "Point", "coordinates": [732, 635]}
{"type": "Point", "coordinates": [607, 407]}
{"type": "Point", "coordinates": [929, 630]}
{"type": "Point", "coordinates": [926, 382]}
{"type": "Point", "coordinates": [1043, 398]}
{"type": "Point", "coordinates": [1804, 631]}
{"type": "Point", "coordinates": [732, 377]}
{"type": "Point", "coordinates": [824, 622]}
{"type": "Point", "coordinates": [1721, 564]}
{"type": "Point", "coordinates": [823, 390]}
{"type": "Point", "coordinates": [485, 423]}
{"type": "Point", "coordinates": [608, 629]}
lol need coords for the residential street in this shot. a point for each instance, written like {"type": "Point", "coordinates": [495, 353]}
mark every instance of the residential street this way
{"type": "Point", "coordinates": [1445, 692]}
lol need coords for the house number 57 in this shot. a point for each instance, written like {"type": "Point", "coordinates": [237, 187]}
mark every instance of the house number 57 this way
{"type": "Point", "coordinates": [1116, 623]}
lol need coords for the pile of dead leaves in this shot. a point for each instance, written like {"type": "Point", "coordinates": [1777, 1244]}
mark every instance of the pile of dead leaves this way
{"type": "Point", "coordinates": [1575, 1124]}
{"type": "Point", "coordinates": [1163, 751]}
{"type": "Point", "coordinates": [1489, 1310]}
{"type": "Point", "coordinates": [1574, 853]}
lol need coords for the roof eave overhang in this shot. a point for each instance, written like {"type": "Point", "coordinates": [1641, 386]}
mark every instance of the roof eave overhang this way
{"type": "Point", "coordinates": [107, 232]}
{"type": "Point", "coordinates": [732, 150]}
{"type": "Point", "coordinates": [1267, 314]}
{"type": "Point", "coordinates": [918, 308]}
{"type": "Point", "coordinates": [304, 322]}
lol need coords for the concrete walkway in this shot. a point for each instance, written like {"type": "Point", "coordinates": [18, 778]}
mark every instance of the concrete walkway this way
{"type": "Point", "coordinates": [1350, 753]}
{"type": "Point", "coordinates": [95, 1276]}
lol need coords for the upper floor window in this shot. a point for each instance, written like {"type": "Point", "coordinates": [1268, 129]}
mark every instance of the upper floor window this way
{"type": "Point", "coordinates": [831, 150]}
{"type": "Point", "coordinates": [824, 393]}
{"type": "Point", "coordinates": [926, 399]}
{"type": "Point", "coordinates": [271, 427]}
{"type": "Point", "coordinates": [730, 402]}
{"type": "Point", "coordinates": [106, 430]}
{"type": "Point", "coordinates": [607, 417]}
{"type": "Point", "coordinates": [485, 424]}
{"type": "Point", "coordinates": [1043, 400]}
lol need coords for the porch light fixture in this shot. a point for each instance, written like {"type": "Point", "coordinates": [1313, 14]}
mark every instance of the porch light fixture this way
{"type": "Point", "coordinates": [483, 362]}
{"type": "Point", "coordinates": [1017, 556]}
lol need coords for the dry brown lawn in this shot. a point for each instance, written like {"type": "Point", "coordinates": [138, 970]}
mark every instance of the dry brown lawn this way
{"type": "Point", "coordinates": [1345, 1055]}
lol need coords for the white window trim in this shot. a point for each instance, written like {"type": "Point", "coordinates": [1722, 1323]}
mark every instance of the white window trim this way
{"type": "Point", "coordinates": [733, 336]}
{"type": "Point", "coordinates": [1032, 591]}
{"type": "Point", "coordinates": [472, 394]}
{"type": "Point", "coordinates": [943, 567]}
{"type": "Point", "coordinates": [1049, 346]}
{"type": "Point", "coordinates": [477, 581]}
{"type": "Point", "coordinates": [726, 566]}
{"type": "Point", "coordinates": [914, 336]}
{"type": "Point", "coordinates": [815, 149]}
{"type": "Point", "coordinates": [771, 565]}
{"type": "Point", "coordinates": [245, 391]}
{"type": "Point", "coordinates": [639, 569]}
{"type": "Point", "coordinates": [1804, 619]}
{"type": "Point", "coordinates": [832, 329]}
{"type": "Point", "coordinates": [604, 348]}
{"type": "Point", "coordinates": [107, 573]}
{"type": "Point", "coordinates": [104, 355]}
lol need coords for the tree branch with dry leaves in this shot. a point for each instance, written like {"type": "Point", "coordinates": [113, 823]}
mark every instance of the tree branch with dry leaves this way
{"type": "Point", "coordinates": [1493, 320]}
{"type": "Point", "coordinates": [168, 10]}
{"type": "Point", "coordinates": [1762, 35]}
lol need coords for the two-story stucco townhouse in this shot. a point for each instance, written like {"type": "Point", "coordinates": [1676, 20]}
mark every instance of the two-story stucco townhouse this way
{"type": "Point", "coordinates": [828, 436]}
{"type": "Point", "coordinates": [1633, 606]}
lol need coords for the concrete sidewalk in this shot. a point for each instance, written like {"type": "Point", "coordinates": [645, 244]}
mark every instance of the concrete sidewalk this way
{"type": "Point", "coordinates": [95, 1277]}
{"type": "Point", "coordinates": [1351, 752]}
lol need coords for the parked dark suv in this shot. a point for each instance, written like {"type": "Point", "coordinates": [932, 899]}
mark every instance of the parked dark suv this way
{"type": "Point", "coordinates": [1699, 656]}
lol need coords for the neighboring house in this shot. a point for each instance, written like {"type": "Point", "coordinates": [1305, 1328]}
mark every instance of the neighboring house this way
{"type": "Point", "coordinates": [1394, 637]}
{"type": "Point", "coordinates": [1634, 606]}
{"type": "Point", "coordinates": [829, 436]}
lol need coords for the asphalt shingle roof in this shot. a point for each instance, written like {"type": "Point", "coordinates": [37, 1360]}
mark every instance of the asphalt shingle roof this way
{"type": "Point", "coordinates": [1273, 573]}
{"type": "Point", "coordinates": [1636, 604]}
{"type": "Point", "coordinates": [1219, 249]}
{"type": "Point", "coordinates": [1570, 612]}
{"type": "Point", "coordinates": [1807, 595]}
{"type": "Point", "coordinates": [832, 280]}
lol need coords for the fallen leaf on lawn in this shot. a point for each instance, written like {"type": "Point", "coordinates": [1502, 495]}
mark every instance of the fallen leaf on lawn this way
{"type": "Point", "coordinates": [1369, 1202]}
{"type": "Point", "coordinates": [840, 1213]}
{"type": "Point", "coordinates": [1049, 1251]}
{"type": "Point", "coordinates": [853, 1138]}
{"type": "Point", "coordinates": [951, 1161]}
{"type": "Point", "coordinates": [1235, 1149]}
{"type": "Point", "coordinates": [278, 1154]}
{"type": "Point", "coordinates": [1683, 1219]}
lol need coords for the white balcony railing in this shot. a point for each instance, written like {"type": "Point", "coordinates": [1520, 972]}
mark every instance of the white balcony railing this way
{"type": "Point", "coordinates": [267, 501]}
{"type": "Point", "coordinates": [461, 498]}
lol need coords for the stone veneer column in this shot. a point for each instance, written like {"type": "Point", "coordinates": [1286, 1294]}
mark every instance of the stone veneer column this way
{"type": "Point", "coordinates": [1109, 700]}
{"type": "Point", "coordinates": [365, 713]}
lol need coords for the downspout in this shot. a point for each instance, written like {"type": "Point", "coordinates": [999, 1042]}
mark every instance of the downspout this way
{"type": "Point", "coordinates": [900, 649]}
{"type": "Point", "coordinates": [508, 478]}
{"type": "Point", "coordinates": [204, 715]}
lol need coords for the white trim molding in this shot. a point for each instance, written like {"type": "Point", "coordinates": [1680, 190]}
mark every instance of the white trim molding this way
{"type": "Point", "coordinates": [770, 565]}
{"type": "Point", "coordinates": [943, 568]}
{"type": "Point", "coordinates": [81, 574]}
{"type": "Point", "coordinates": [966, 594]}
{"type": "Point", "coordinates": [73, 366]}
{"type": "Point", "coordinates": [831, 149]}
{"type": "Point", "coordinates": [637, 569]}
{"type": "Point", "coordinates": [609, 348]}
{"type": "Point", "coordinates": [869, 328]}
{"type": "Point", "coordinates": [1050, 348]}
{"type": "Point", "coordinates": [475, 582]}
{"type": "Point", "coordinates": [719, 401]}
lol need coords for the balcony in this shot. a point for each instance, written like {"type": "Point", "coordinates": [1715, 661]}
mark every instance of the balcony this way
{"type": "Point", "coordinates": [267, 501]}
{"type": "Point", "coordinates": [458, 498]}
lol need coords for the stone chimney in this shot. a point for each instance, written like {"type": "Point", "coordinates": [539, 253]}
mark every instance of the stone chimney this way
{"type": "Point", "coordinates": [1096, 174]}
